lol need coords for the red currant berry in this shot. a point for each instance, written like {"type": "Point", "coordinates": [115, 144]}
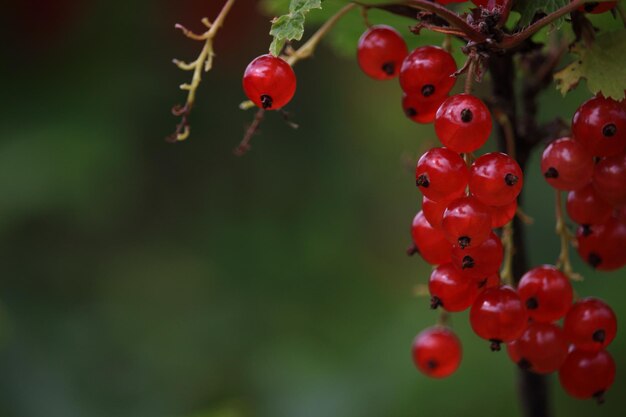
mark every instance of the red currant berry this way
{"type": "Point", "coordinates": [433, 211]}
{"type": "Point", "coordinates": [463, 123]}
{"type": "Point", "coordinates": [430, 243]}
{"type": "Point", "coordinates": [428, 71]}
{"type": "Point", "coordinates": [466, 222]}
{"type": "Point", "coordinates": [419, 109]}
{"type": "Point", "coordinates": [498, 315]}
{"type": "Point", "coordinates": [437, 352]}
{"type": "Point", "coordinates": [541, 349]}
{"type": "Point", "coordinates": [600, 126]}
{"type": "Point", "coordinates": [381, 51]}
{"type": "Point", "coordinates": [609, 179]}
{"type": "Point", "coordinates": [587, 374]}
{"type": "Point", "coordinates": [590, 324]}
{"type": "Point", "coordinates": [450, 289]}
{"type": "Point", "coordinates": [602, 245]}
{"type": "Point", "coordinates": [501, 215]}
{"type": "Point", "coordinates": [441, 174]}
{"type": "Point", "coordinates": [490, 281]}
{"type": "Point", "coordinates": [596, 7]}
{"type": "Point", "coordinates": [546, 293]}
{"type": "Point", "coordinates": [269, 82]}
{"type": "Point", "coordinates": [566, 165]}
{"type": "Point", "coordinates": [477, 262]}
{"type": "Point", "coordinates": [496, 179]}
{"type": "Point", "coordinates": [585, 206]}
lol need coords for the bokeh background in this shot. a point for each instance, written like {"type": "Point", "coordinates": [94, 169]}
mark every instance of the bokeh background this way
{"type": "Point", "coordinates": [140, 278]}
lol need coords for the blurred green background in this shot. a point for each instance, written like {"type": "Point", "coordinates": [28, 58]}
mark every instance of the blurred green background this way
{"type": "Point", "coordinates": [141, 278]}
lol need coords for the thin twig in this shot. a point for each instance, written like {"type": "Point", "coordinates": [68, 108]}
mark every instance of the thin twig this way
{"type": "Point", "coordinates": [244, 145]}
{"type": "Point", "coordinates": [564, 262]}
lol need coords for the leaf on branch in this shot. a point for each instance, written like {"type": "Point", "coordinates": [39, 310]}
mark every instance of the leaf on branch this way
{"type": "Point", "coordinates": [290, 26]}
{"type": "Point", "coordinates": [529, 8]}
{"type": "Point", "coordinates": [603, 65]}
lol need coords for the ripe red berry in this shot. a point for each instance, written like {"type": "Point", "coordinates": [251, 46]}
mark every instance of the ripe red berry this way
{"type": "Point", "coordinates": [496, 179]}
{"type": "Point", "coordinates": [463, 123]}
{"type": "Point", "coordinates": [590, 324]}
{"type": "Point", "coordinates": [478, 262]}
{"type": "Point", "coordinates": [381, 51]}
{"type": "Point", "coordinates": [441, 174]}
{"type": "Point", "coordinates": [466, 222]}
{"type": "Point", "coordinates": [498, 315]}
{"type": "Point", "coordinates": [428, 72]}
{"type": "Point", "coordinates": [566, 165]}
{"type": "Point", "coordinates": [597, 7]}
{"type": "Point", "coordinates": [433, 211]}
{"type": "Point", "coordinates": [501, 215]}
{"type": "Point", "coordinates": [587, 374]}
{"type": "Point", "coordinates": [546, 293]}
{"type": "Point", "coordinates": [585, 206]}
{"type": "Point", "coordinates": [490, 281]}
{"type": "Point", "coordinates": [599, 125]}
{"type": "Point", "coordinates": [450, 289]}
{"type": "Point", "coordinates": [269, 82]}
{"type": "Point", "coordinates": [541, 349]}
{"type": "Point", "coordinates": [609, 179]}
{"type": "Point", "coordinates": [602, 245]}
{"type": "Point", "coordinates": [430, 243]}
{"type": "Point", "coordinates": [420, 109]}
{"type": "Point", "coordinates": [437, 352]}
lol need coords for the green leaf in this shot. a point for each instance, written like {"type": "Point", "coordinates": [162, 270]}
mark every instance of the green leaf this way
{"type": "Point", "coordinates": [529, 8]}
{"type": "Point", "coordinates": [290, 26]}
{"type": "Point", "coordinates": [603, 65]}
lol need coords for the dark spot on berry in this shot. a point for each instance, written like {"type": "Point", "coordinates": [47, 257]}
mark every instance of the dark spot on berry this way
{"type": "Point", "coordinates": [422, 181]}
{"type": "Point", "coordinates": [586, 230]}
{"type": "Point", "coordinates": [428, 90]}
{"type": "Point", "coordinates": [266, 101]}
{"type": "Point", "coordinates": [412, 250]}
{"type": "Point", "coordinates": [482, 283]}
{"type": "Point", "coordinates": [599, 336]}
{"type": "Point", "coordinates": [590, 7]}
{"type": "Point", "coordinates": [609, 130]}
{"type": "Point", "coordinates": [532, 303]}
{"type": "Point", "coordinates": [524, 364]}
{"type": "Point", "coordinates": [599, 397]}
{"type": "Point", "coordinates": [389, 68]}
{"type": "Point", "coordinates": [466, 115]}
{"type": "Point", "coordinates": [495, 345]}
{"type": "Point", "coordinates": [468, 262]}
{"type": "Point", "coordinates": [511, 179]}
{"type": "Point", "coordinates": [551, 173]}
{"type": "Point", "coordinates": [432, 364]}
{"type": "Point", "coordinates": [464, 241]}
{"type": "Point", "coordinates": [435, 302]}
{"type": "Point", "coordinates": [410, 112]}
{"type": "Point", "coordinates": [594, 259]}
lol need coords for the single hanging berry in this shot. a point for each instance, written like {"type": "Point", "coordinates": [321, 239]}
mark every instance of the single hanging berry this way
{"type": "Point", "coordinates": [381, 51]}
{"type": "Point", "coordinates": [431, 244]}
{"type": "Point", "coordinates": [602, 245]}
{"type": "Point", "coordinates": [466, 222]}
{"type": "Point", "coordinates": [599, 125]}
{"type": "Point", "coordinates": [441, 175]}
{"type": "Point", "coordinates": [590, 324]}
{"type": "Point", "coordinates": [496, 179]}
{"type": "Point", "coordinates": [609, 179]}
{"type": "Point", "coordinates": [463, 123]}
{"type": "Point", "coordinates": [566, 165]}
{"type": "Point", "coordinates": [428, 72]}
{"type": "Point", "coordinates": [437, 352]}
{"type": "Point", "coordinates": [546, 292]}
{"type": "Point", "coordinates": [498, 315]}
{"type": "Point", "coordinates": [586, 207]}
{"type": "Point", "coordinates": [269, 82]}
{"type": "Point", "coordinates": [596, 7]}
{"type": "Point", "coordinates": [587, 374]}
{"type": "Point", "coordinates": [478, 262]}
{"type": "Point", "coordinates": [420, 109]}
{"type": "Point", "coordinates": [541, 349]}
{"type": "Point", "coordinates": [450, 289]}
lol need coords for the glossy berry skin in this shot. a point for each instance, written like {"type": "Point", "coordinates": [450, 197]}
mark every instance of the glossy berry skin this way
{"type": "Point", "coordinates": [463, 123]}
{"type": "Point", "coordinates": [427, 72]}
{"type": "Point", "coordinates": [496, 179]}
{"type": "Point", "coordinates": [609, 179]}
{"type": "Point", "coordinates": [585, 206]}
{"type": "Point", "coordinates": [498, 315]}
{"type": "Point", "coordinates": [566, 165]}
{"type": "Point", "coordinates": [466, 222]}
{"type": "Point", "coordinates": [381, 51]}
{"type": "Point", "coordinates": [599, 125]}
{"type": "Point", "coordinates": [490, 281]}
{"type": "Point", "coordinates": [501, 215]}
{"type": "Point", "coordinates": [269, 82]}
{"type": "Point", "coordinates": [477, 262]}
{"type": "Point", "coordinates": [419, 109]}
{"type": "Point", "coordinates": [602, 245]}
{"type": "Point", "coordinates": [433, 211]}
{"type": "Point", "coordinates": [437, 352]}
{"type": "Point", "coordinates": [441, 175]}
{"type": "Point", "coordinates": [590, 324]}
{"type": "Point", "coordinates": [430, 243]}
{"type": "Point", "coordinates": [546, 292]}
{"type": "Point", "coordinates": [541, 349]}
{"type": "Point", "coordinates": [587, 374]}
{"type": "Point", "coordinates": [597, 7]}
{"type": "Point", "coordinates": [450, 289]}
